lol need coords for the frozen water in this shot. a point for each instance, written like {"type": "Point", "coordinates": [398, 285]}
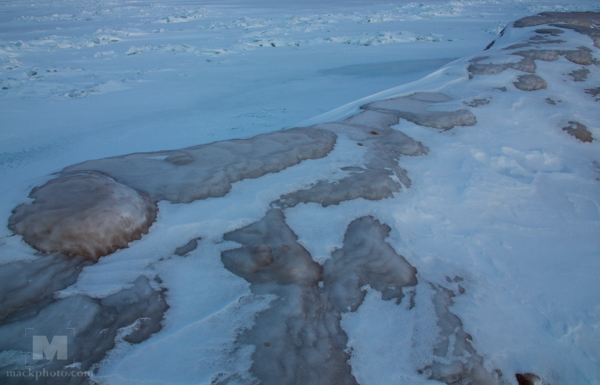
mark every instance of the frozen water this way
{"type": "Point", "coordinates": [87, 214]}
{"type": "Point", "coordinates": [299, 339]}
{"type": "Point", "coordinates": [530, 83]}
{"type": "Point", "coordinates": [580, 75]}
{"type": "Point", "coordinates": [550, 31]}
{"type": "Point", "coordinates": [582, 22]}
{"type": "Point", "coordinates": [579, 131]}
{"type": "Point", "coordinates": [92, 327]}
{"type": "Point", "coordinates": [200, 172]}
{"type": "Point", "coordinates": [414, 108]}
{"type": "Point", "coordinates": [379, 176]}
{"type": "Point", "coordinates": [528, 379]}
{"type": "Point", "coordinates": [24, 283]}
{"type": "Point", "coordinates": [455, 359]}
{"type": "Point", "coordinates": [580, 56]}
{"type": "Point", "coordinates": [387, 68]}
{"type": "Point", "coordinates": [366, 259]}
{"type": "Point", "coordinates": [188, 247]}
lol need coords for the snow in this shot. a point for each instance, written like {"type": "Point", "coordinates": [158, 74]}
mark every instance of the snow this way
{"type": "Point", "coordinates": [433, 219]}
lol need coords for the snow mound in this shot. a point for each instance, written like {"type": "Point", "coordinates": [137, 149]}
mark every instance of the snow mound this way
{"type": "Point", "coordinates": [85, 214]}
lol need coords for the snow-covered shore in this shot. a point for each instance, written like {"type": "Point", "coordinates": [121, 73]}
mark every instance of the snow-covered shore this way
{"type": "Point", "coordinates": [442, 230]}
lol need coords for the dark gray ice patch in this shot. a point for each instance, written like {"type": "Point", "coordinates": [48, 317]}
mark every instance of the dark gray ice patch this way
{"type": "Point", "coordinates": [188, 247]}
{"type": "Point", "coordinates": [199, 172]}
{"type": "Point", "coordinates": [455, 359]}
{"type": "Point", "coordinates": [535, 41]}
{"type": "Point", "coordinates": [550, 31]}
{"type": "Point", "coordinates": [528, 379]}
{"type": "Point", "coordinates": [362, 183]}
{"type": "Point", "coordinates": [579, 131]}
{"type": "Point", "coordinates": [492, 68]}
{"type": "Point", "coordinates": [394, 68]}
{"type": "Point", "coordinates": [270, 254]}
{"type": "Point", "coordinates": [582, 56]}
{"type": "Point", "coordinates": [581, 22]}
{"type": "Point", "coordinates": [579, 75]}
{"type": "Point", "coordinates": [91, 326]}
{"type": "Point", "coordinates": [366, 259]}
{"type": "Point", "coordinates": [96, 207]}
{"type": "Point", "coordinates": [25, 283]}
{"type": "Point", "coordinates": [414, 108]}
{"type": "Point", "coordinates": [477, 102]}
{"type": "Point", "coordinates": [594, 92]}
{"type": "Point", "coordinates": [539, 54]}
{"type": "Point", "coordinates": [530, 83]}
{"type": "Point", "coordinates": [85, 214]}
{"type": "Point", "coordinates": [579, 56]}
{"type": "Point", "coordinates": [298, 339]}
{"type": "Point", "coordinates": [379, 178]}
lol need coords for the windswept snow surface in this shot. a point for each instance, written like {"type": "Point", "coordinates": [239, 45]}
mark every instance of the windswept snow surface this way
{"type": "Point", "coordinates": [444, 230]}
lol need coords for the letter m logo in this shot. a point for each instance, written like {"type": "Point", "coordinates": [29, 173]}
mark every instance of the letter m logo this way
{"type": "Point", "coordinates": [41, 348]}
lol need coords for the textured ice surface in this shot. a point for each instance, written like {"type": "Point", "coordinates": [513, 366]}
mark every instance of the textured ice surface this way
{"type": "Point", "coordinates": [455, 360]}
{"type": "Point", "coordinates": [379, 177]}
{"type": "Point", "coordinates": [477, 102]}
{"type": "Point", "coordinates": [24, 283]}
{"type": "Point", "coordinates": [299, 340]}
{"type": "Point", "coordinates": [530, 83]}
{"type": "Point", "coordinates": [594, 92]}
{"type": "Point", "coordinates": [579, 131]}
{"type": "Point", "coordinates": [527, 64]}
{"type": "Point", "coordinates": [92, 327]}
{"type": "Point", "coordinates": [477, 193]}
{"type": "Point", "coordinates": [528, 379]}
{"type": "Point", "coordinates": [414, 108]}
{"type": "Point", "coordinates": [580, 75]}
{"type": "Point", "coordinates": [550, 31]}
{"type": "Point", "coordinates": [582, 22]}
{"type": "Point", "coordinates": [199, 172]}
{"type": "Point", "coordinates": [85, 214]}
{"type": "Point", "coordinates": [188, 247]}
{"type": "Point", "coordinates": [366, 259]}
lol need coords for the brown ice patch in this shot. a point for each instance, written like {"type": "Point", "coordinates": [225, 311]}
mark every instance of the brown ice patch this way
{"type": "Point", "coordinates": [579, 131]}
{"type": "Point", "coordinates": [530, 83]}
{"type": "Point", "coordinates": [86, 214]}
